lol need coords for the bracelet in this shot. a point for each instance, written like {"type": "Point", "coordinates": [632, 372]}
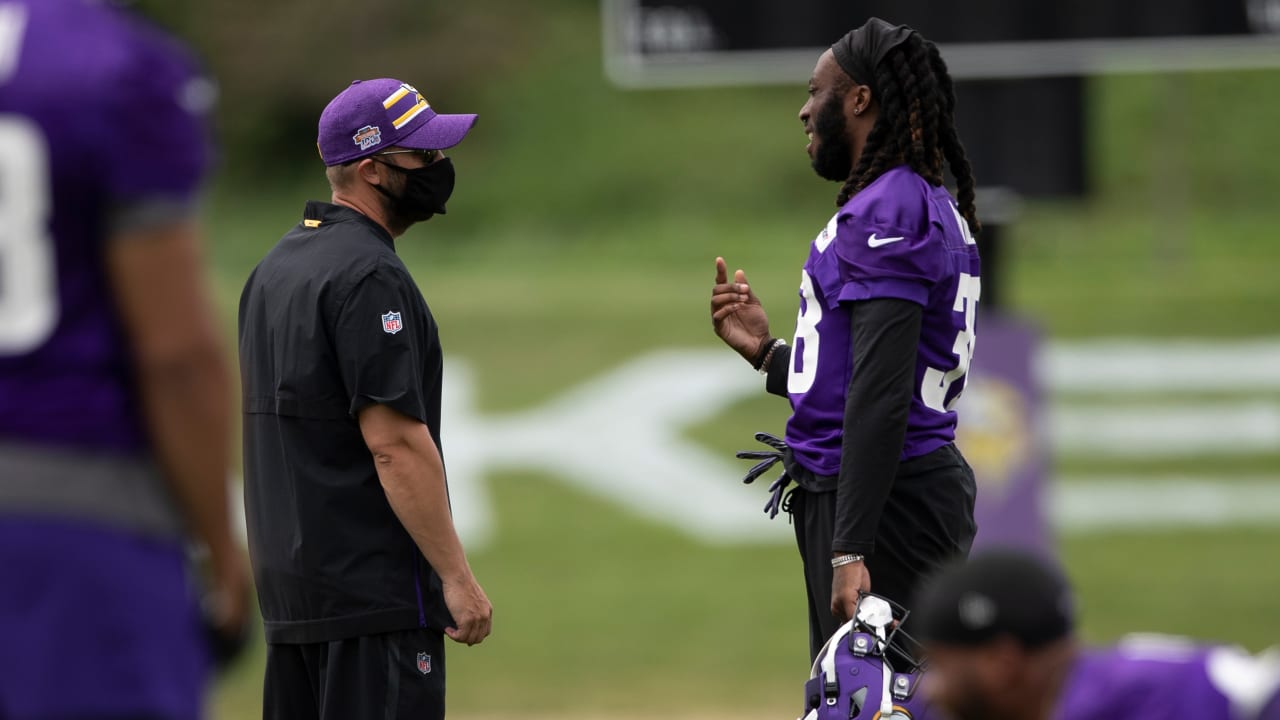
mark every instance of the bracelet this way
{"type": "Point", "coordinates": [842, 560]}
{"type": "Point", "coordinates": [763, 356]}
{"type": "Point", "coordinates": [763, 366]}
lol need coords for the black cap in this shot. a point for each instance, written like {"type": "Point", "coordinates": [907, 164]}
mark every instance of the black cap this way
{"type": "Point", "coordinates": [996, 593]}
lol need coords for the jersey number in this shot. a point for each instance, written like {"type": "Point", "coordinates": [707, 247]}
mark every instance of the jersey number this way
{"type": "Point", "coordinates": [28, 280]}
{"type": "Point", "coordinates": [937, 384]}
{"type": "Point", "coordinates": [804, 363]}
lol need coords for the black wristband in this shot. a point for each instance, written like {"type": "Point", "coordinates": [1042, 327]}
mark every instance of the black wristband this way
{"type": "Point", "coordinates": [758, 362]}
{"type": "Point", "coordinates": [779, 371]}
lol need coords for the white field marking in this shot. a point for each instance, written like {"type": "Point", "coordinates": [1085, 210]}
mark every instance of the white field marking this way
{"type": "Point", "coordinates": [1158, 430]}
{"type": "Point", "coordinates": [620, 436]}
{"type": "Point", "coordinates": [1126, 365]}
{"type": "Point", "coordinates": [1101, 504]}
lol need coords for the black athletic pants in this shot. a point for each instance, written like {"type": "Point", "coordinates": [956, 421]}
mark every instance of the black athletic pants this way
{"type": "Point", "coordinates": [391, 676]}
{"type": "Point", "coordinates": [927, 521]}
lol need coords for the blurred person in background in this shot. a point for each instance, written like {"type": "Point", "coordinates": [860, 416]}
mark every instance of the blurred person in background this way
{"type": "Point", "coordinates": [885, 332]}
{"type": "Point", "coordinates": [1000, 636]}
{"type": "Point", "coordinates": [359, 569]}
{"type": "Point", "coordinates": [115, 394]}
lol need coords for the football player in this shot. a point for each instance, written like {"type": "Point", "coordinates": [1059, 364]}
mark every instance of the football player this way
{"type": "Point", "coordinates": [114, 385]}
{"type": "Point", "coordinates": [885, 331]}
{"type": "Point", "coordinates": [999, 633]}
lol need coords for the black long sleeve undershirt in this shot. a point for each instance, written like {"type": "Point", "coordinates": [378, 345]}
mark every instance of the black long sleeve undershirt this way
{"type": "Point", "coordinates": [886, 335]}
{"type": "Point", "coordinates": [886, 338]}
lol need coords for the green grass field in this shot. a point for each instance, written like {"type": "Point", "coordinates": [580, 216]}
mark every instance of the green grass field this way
{"type": "Point", "coordinates": [583, 234]}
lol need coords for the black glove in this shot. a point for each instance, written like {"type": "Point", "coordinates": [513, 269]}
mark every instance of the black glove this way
{"type": "Point", "coordinates": [767, 459]}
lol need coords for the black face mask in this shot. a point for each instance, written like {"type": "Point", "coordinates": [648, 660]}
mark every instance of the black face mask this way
{"type": "Point", "coordinates": [426, 190]}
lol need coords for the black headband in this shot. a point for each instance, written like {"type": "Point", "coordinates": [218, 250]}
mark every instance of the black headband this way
{"type": "Point", "coordinates": [862, 49]}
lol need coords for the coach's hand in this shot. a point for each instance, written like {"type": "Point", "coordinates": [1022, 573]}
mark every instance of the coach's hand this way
{"type": "Point", "coordinates": [737, 314]}
{"type": "Point", "coordinates": [847, 581]}
{"type": "Point", "coordinates": [470, 608]}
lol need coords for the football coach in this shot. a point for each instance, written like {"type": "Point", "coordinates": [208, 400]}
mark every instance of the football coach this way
{"type": "Point", "coordinates": [359, 570]}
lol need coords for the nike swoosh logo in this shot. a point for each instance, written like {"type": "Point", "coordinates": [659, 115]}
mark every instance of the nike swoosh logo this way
{"type": "Point", "coordinates": [876, 242]}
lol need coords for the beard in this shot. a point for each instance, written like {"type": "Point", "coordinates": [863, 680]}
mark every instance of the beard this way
{"type": "Point", "coordinates": [833, 153]}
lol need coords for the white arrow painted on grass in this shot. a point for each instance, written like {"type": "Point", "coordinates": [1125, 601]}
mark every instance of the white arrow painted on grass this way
{"type": "Point", "coordinates": [619, 437]}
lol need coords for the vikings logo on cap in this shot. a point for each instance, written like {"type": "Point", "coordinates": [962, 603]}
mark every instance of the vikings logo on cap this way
{"type": "Point", "coordinates": [408, 101]}
{"type": "Point", "coordinates": [367, 136]}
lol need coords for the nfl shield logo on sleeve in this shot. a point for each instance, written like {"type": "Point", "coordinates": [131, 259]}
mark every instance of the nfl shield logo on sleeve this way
{"type": "Point", "coordinates": [424, 663]}
{"type": "Point", "coordinates": [391, 323]}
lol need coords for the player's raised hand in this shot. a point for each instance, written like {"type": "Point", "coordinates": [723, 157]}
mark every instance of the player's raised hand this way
{"type": "Point", "coordinates": [736, 313]}
{"type": "Point", "coordinates": [471, 611]}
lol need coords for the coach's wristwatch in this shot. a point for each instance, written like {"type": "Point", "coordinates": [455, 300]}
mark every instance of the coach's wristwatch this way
{"type": "Point", "coordinates": [849, 559]}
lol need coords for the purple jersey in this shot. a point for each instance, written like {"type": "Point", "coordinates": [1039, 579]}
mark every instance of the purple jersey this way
{"type": "Point", "coordinates": [1156, 677]}
{"type": "Point", "coordinates": [902, 238]}
{"type": "Point", "coordinates": [101, 125]}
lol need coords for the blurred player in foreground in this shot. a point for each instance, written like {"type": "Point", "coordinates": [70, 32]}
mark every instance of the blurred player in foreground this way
{"type": "Point", "coordinates": [114, 387]}
{"type": "Point", "coordinates": [1000, 637]}
{"type": "Point", "coordinates": [885, 331]}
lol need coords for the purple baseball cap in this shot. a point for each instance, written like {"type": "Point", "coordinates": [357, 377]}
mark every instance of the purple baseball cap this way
{"type": "Point", "coordinates": [371, 115]}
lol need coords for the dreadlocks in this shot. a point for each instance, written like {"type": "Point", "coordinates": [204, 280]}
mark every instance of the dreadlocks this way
{"type": "Point", "coordinates": [916, 125]}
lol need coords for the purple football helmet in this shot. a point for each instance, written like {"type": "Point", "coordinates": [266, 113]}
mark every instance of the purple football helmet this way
{"type": "Point", "coordinates": [868, 670]}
